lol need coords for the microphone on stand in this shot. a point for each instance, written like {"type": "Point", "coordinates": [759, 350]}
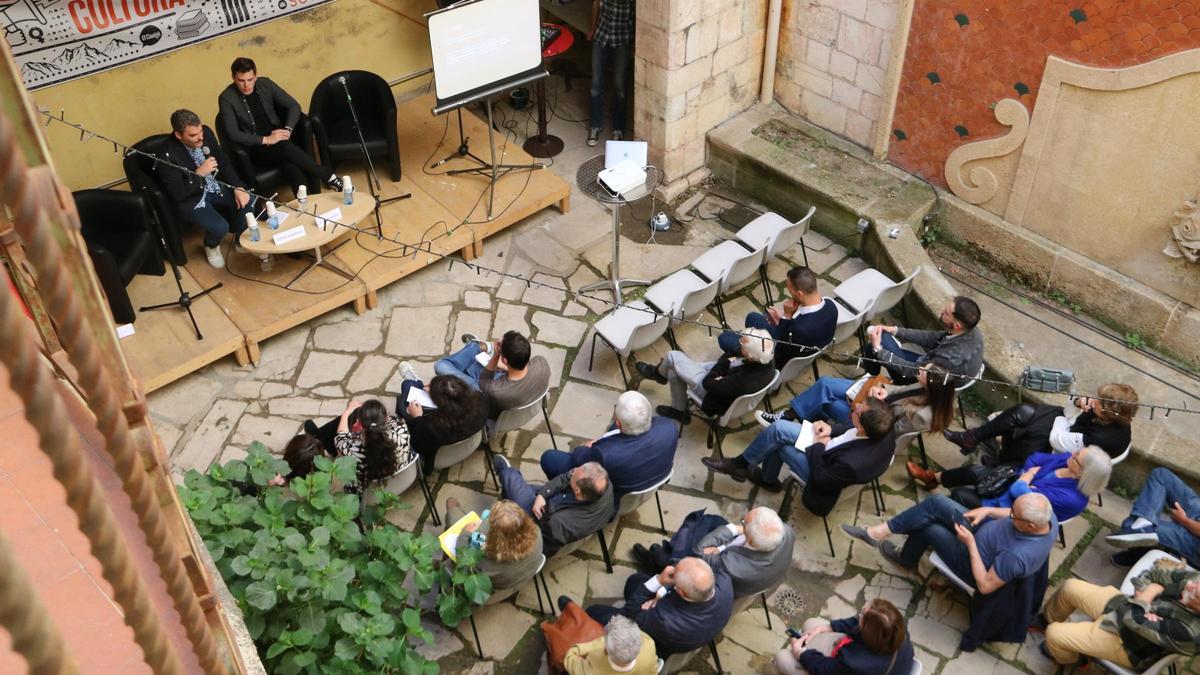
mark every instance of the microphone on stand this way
{"type": "Point", "coordinates": [342, 81]}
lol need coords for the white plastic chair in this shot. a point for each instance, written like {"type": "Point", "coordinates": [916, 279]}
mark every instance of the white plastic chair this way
{"type": "Point", "coordinates": [871, 284]}
{"type": "Point", "coordinates": [398, 483]}
{"type": "Point", "coordinates": [730, 263]}
{"type": "Point", "coordinates": [777, 234]}
{"type": "Point", "coordinates": [795, 367]}
{"type": "Point", "coordinates": [1167, 662]}
{"type": "Point", "coordinates": [741, 604]}
{"type": "Point", "coordinates": [681, 295]}
{"type": "Point", "coordinates": [917, 668]}
{"type": "Point", "coordinates": [742, 405]}
{"type": "Point", "coordinates": [630, 501]}
{"type": "Point", "coordinates": [1115, 461]}
{"type": "Point", "coordinates": [941, 566]}
{"type": "Point", "coordinates": [627, 329]}
{"type": "Point", "coordinates": [965, 386]}
{"type": "Point", "coordinates": [499, 595]}
{"type": "Point", "coordinates": [676, 662]}
{"type": "Point", "coordinates": [849, 323]}
{"type": "Point", "coordinates": [446, 457]}
{"type": "Point", "coordinates": [1144, 563]}
{"type": "Point", "coordinates": [511, 420]}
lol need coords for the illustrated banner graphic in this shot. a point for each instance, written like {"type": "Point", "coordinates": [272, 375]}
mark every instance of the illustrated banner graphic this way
{"type": "Point", "coordinates": [59, 40]}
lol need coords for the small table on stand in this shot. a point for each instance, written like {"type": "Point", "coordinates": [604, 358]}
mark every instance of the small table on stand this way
{"type": "Point", "coordinates": [315, 236]}
{"type": "Point", "coordinates": [586, 178]}
{"type": "Point", "coordinates": [544, 144]}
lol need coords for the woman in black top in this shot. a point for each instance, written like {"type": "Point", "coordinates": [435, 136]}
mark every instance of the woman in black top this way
{"type": "Point", "coordinates": [873, 643]}
{"type": "Point", "coordinates": [461, 411]}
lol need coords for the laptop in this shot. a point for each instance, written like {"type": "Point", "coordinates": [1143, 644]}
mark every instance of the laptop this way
{"type": "Point", "coordinates": [616, 152]}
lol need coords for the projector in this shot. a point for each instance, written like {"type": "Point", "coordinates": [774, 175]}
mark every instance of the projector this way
{"type": "Point", "coordinates": [622, 178]}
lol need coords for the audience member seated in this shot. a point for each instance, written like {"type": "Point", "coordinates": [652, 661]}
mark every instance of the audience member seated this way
{"type": "Point", "coordinates": [623, 648]}
{"type": "Point", "coordinates": [717, 383]}
{"type": "Point", "coordinates": [568, 508]}
{"type": "Point", "coordinates": [260, 115]}
{"type": "Point", "coordinates": [299, 453]}
{"type": "Point", "coordinates": [512, 377]}
{"type": "Point", "coordinates": [959, 346]}
{"type": "Point", "coordinates": [1068, 480]}
{"type": "Point", "coordinates": [1027, 428]}
{"type": "Point", "coordinates": [367, 432]}
{"type": "Point", "coordinates": [927, 405]}
{"type": "Point", "coordinates": [1162, 617]}
{"type": "Point", "coordinates": [637, 451]}
{"type": "Point", "coordinates": [509, 539]}
{"type": "Point", "coordinates": [460, 412]}
{"type": "Point", "coordinates": [839, 456]}
{"type": "Point", "coordinates": [986, 547]}
{"type": "Point", "coordinates": [805, 324]}
{"type": "Point", "coordinates": [1146, 527]}
{"type": "Point", "coordinates": [755, 554]}
{"type": "Point", "coordinates": [199, 199]}
{"type": "Point", "coordinates": [680, 621]}
{"type": "Point", "coordinates": [874, 642]}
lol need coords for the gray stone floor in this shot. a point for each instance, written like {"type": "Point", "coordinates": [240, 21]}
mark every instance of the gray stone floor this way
{"type": "Point", "coordinates": [314, 369]}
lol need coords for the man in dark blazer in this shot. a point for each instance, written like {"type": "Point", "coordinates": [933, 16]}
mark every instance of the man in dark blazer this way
{"type": "Point", "coordinates": [717, 383]}
{"type": "Point", "coordinates": [196, 193]}
{"type": "Point", "coordinates": [568, 508]}
{"type": "Point", "coordinates": [806, 318]}
{"type": "Point", "coordinates": [637, 451]}
{"type": "Point", "coordinates": [756, 553]}
{"type": "Point", "coordinates": [840, 456]}
{"type": "Point", "coordinates": [260, 116]}
{"type": "Point", "coordinates": [682, 608]}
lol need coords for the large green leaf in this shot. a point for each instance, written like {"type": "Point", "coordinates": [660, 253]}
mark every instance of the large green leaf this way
{"type": "Point", "coordinates": [261, 595]}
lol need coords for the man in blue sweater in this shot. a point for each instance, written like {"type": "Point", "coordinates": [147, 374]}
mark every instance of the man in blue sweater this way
{"type": "Point", "coordinates": [804, 325]}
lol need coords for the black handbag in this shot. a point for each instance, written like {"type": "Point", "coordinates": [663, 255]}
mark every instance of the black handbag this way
{"type": "Point", "coordinates": [996, 481]}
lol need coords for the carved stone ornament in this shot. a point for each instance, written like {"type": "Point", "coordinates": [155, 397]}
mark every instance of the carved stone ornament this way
{"type": "Point", "coordinates": [1185, 232]}
{"type": "Point", "coordinates": [980, 183]}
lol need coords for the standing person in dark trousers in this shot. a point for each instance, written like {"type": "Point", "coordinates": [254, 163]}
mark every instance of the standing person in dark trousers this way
{"type": "Point", "coordinates": [196, 193]}
{"type": "Point", "coordinates": [261, 116]}
{"type": "Point", "coordinates": [612, 42]}
{"type": "Point", "coordinates": [806, 319]}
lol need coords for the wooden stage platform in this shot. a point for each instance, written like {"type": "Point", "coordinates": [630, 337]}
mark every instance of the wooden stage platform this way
{"type": "Point", "coordinates": [449, 212]}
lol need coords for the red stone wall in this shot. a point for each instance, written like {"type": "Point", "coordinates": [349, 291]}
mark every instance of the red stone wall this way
{"type": "Point", "coordinates": [965, 55]}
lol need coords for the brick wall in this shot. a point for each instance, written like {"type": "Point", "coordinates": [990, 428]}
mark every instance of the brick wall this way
{"type": "Point", "coordinates": [833, 57]}
{"type": "Point", "coordinates": [696, 64]}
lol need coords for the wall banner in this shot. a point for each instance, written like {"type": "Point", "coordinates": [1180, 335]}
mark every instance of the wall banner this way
{"type": "Point", "coordinates": [59, 40]}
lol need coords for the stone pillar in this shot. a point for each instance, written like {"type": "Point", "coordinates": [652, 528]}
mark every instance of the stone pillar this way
{"type": "Point", "coordinates": [697, 63]}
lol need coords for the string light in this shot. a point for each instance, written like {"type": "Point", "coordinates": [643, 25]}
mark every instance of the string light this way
{"type": "Point", "coordinates": [427, 245]}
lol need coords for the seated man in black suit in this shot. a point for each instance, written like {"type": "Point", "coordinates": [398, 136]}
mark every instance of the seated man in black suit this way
{"type": "Point", "coordinates": [196, 193]}
{"type": "Point", "coordinates": [807, 319]}
{"type": "Point", "coordinates": [637, 451]}
{"type": "Point", "coordinates": [568, 508]}
{"type": "Point", "coordinates": [682, 608]}
{"type": "Point", "coordinates": [251, 108]}
{"type": "Point", "coordinates": [717, 383]}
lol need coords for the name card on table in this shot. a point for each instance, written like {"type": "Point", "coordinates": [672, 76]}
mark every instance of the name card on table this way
{"type": "Point", "coordinates": [334, 215]}
{"type": "Point", "coordinates": [288, 235]}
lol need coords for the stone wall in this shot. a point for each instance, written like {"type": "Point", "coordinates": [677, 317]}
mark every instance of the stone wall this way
{"type": "Point", "coordinates": [696, 64]}
{"type": "Point", "coordinates": [833, 60]}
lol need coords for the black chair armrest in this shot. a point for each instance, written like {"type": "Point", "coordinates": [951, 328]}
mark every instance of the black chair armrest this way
{"type": "Point", "coordinates": [321, 137]}
{"type": "Point", "coordinates": [243, 165]}
{"type": "Point", "coordinates": [107, 273]}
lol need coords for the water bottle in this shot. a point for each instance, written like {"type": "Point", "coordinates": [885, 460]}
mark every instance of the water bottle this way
{"type": "Point", "coordinates": [272, 216]}
{"type": "Point", "coordinates": [302, 196]}
{"type": "Point", "coordinates": [254, 234]}
{"type": "Point", "coordinates": [347, 190]}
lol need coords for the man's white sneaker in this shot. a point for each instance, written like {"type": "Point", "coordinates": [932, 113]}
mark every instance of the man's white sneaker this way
{"type": "Point", "coordinates": [214, 256]}
{"type": "Point", "coordinates": [407, 372]}
{"type": "Point", "coordinates": [766, 419]}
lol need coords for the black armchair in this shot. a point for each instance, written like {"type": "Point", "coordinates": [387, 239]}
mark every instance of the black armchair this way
{"type": "Point", "coordinates": [122, 241]}
{"type": "Point", "coordinates": [143, 178]}
{"type": "Point", "coordinates": [333, 125]}
{"type": "Point", "coordinates": [260, 179]}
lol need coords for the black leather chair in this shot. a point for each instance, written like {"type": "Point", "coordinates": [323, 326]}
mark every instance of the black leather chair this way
{"type": "Point", "coordinates": [333, 126]}
{"type": "Point", "coordinates": [122, 241]}
{"type": "Point", "coordinates": [262, 179]}
{"type": "Point", "coordinates": [143, 178]}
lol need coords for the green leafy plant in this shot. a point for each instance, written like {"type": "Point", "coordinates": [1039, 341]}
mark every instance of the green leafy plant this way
{"type": "Point", "coordinates": [324, 585]}
{"type": "Point", "coordinates": [1135, 341]}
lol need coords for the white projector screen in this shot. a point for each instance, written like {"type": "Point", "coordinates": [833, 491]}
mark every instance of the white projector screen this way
{"type": "Point", "coordinates": [483, 42]}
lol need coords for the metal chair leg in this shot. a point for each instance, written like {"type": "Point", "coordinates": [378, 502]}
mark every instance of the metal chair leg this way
{"type": "Point", "coordinates": [1100, 498]}
{"type": "Point", "coordinates": [712, 648]}
{"type": "Point", "coordinates": [671, 338]}
{"type": "Point", "coordinates": [428, 494]}
{"type": "Point", "coordinates": [921, 445]}
{"type": "Point", "coordinates": [475, 632]}
{"type": "Point", "coordinates": [879, 506]}
{"type": "Point", "coordinates": [549, 599]}
{"type": "Point", "coordinates": [1062, 536]}
{"type": "Point", "coordinates": [828, 536]}
{"type": "Point", "coordinates": [804, 251]}
{"type": "Point", "coordinates": [661, 521]}
{"type": "Point", "coordinates": [592, 356]}
{"type": "Point", "coordinates": [608, 566]}
{"type": "Point", "coordinates": [962, 414]}
{"type": "Point", "coordinates": [717, 436]}
{"type": "Point", "coordinates": [537, 589]}
{"type": "Point", "coordinates": [487, 460]}
{"type": "Point", "coordinates": [549, 430]}
{"type": "Point", "coordinates": [816, 373]}
{"type": "Point", "coordinates": [766, 610]}
{"type": "Point", "coordinates": [762, 276]}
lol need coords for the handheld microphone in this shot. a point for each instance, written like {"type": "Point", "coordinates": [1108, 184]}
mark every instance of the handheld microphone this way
{"type": "Point", "coordinates": [208, 153]}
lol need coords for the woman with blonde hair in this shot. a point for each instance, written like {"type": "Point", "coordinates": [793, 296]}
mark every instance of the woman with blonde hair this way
{"type": "Point", "coordinates": [873, 643]}
{"type": "Point", "coordinates": [510, 540]}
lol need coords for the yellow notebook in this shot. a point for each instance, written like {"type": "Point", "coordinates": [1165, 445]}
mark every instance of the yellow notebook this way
{"type": "Point", "coordinates": [449, 538]}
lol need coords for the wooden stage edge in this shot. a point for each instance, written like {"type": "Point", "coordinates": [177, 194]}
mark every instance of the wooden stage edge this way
{"type": "Point", "coordinates": [252, 305]}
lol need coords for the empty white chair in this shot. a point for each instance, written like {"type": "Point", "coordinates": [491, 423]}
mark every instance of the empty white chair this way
{"type": "Point", "coordinates": [871, 284]}
{"type": "Point", "coordinates": [503, 594]}
{"type": "Point", "coordinates": [742, 405]}
{"type": "Point", "coordinates": [729, 263]}
{"type": "Point", "coordinates": [626, 329]}
{"type": "Point", "coordinates": [777, 234]}
{"type": "Point", "coordinates": [630, 501]}
{"type": "Point", "coordinates": [681, 295]}
{"type": "Point", "coordinates": [511, 420]}
{"type": "Point", "coordinates": [849, 323]}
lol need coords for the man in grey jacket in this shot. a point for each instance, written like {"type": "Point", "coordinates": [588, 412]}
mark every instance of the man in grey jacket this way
{"type": "Point", "coordinates": [756, 554]}
{"type": "Point", "coordinates": [568, 508]}
{"type": "Point", "coordinates": [251, 109]}
{"type": "Point", "coordinates": [959, 347]}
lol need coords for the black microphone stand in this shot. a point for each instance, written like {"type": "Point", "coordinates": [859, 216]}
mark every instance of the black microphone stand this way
{"type": "Point", "coordinates": [185, 298]}
{"type": "Point", "coordinates": [463, 147]}
{"type": "Point", "coordinates": [373, 183]}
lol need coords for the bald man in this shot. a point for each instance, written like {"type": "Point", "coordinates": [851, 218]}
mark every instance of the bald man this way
{"type": "Point", "coordinates": [682, 608]}
{"type": "Point", "coordinates": [756, 552]}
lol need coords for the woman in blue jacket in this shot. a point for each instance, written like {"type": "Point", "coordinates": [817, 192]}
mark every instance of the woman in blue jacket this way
{"type": "Point", "coordinates": [1068, 479]}
{"type": "Point", "coordinates": [873, 643]}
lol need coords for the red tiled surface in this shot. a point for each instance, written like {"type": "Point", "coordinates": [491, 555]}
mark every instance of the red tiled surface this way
{"type": "Point", "coordinates": [1006, 42]}
{"type": "Point", "coordinates": [45, 537]}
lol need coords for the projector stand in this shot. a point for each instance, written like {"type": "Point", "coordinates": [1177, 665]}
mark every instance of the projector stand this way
{"type": "Point", "coordinates": [493, 170]}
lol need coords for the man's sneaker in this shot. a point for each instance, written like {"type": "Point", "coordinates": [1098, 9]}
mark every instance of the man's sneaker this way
{"type": "Point", "coordinates": [888, 550]}
{"type": "Point", "coordinates": [767, 419]}
{"type": "Point", "coordinates": [1127, 539]}
{"type": "Point", "coordinates": [500, 463]}
{"type": "Point", "coordinates": [484, 345]}
{"type": "Point", "coordinates": [334, 183]}
{"type": "Point", "coordinates": [407, 372]}
{"type": "Point", "coordinates": [650, 372]}
{"type": "Point", "coordinates": [618, 135]}
{"type": "Point", "coordinates": [213, 254]}
{"type": "Point", "coordinates": [593, 136]}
